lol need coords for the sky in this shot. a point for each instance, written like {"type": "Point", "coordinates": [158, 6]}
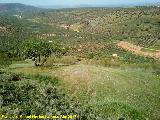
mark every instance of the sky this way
{"type": "Point", "coordinates": [80, 2]}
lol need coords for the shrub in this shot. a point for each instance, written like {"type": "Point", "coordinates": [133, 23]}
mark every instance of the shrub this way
{"type": "Point", "coordinates": [29, 97]}
{"type": "Point", "coordinates": [15, 77]}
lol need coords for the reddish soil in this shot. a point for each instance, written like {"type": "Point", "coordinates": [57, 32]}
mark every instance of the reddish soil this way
{"type": "Point", "coordinates": [137, 50]}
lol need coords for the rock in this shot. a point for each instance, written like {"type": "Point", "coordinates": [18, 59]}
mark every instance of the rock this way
{"type": "Point", "coordinates": [114, 55]}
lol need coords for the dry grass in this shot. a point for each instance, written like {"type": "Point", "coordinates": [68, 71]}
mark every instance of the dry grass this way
{"type": "Point", "coordinates": [136, 91]}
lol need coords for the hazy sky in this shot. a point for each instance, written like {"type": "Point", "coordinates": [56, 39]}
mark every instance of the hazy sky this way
{"type": "Point", "coordinates": [78, 2]}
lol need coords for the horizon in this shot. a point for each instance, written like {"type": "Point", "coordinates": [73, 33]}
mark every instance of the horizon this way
{"type": "Point", "coordinates": [72, 3]}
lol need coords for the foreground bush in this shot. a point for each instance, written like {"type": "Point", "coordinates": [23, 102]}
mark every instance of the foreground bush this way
{"type": "Point", "coordinates": [26, 96]}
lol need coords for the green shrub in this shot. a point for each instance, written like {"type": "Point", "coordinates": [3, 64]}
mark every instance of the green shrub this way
{"type": "Point", "coordinates": [29, 97]}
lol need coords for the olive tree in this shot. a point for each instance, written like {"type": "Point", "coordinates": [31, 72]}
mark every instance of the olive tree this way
{"type": "Point", "coordinates": [39, 50]}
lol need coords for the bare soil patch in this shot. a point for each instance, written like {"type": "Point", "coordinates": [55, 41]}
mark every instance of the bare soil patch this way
{"type": "Point", "coordinates": [137, 50]}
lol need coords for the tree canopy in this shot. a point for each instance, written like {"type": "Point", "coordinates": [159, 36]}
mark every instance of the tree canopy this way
{"type": "Point", "coordinates": [39, 49]}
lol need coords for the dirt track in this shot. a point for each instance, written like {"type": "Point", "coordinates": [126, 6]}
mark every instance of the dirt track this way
{"type": "Point", "coordinates": [137, 50]}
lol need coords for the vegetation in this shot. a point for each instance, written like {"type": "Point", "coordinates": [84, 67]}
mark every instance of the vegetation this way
{"type": "Point", "coordinates": [81, 69]}
{"type": "Point", "coordinates": [33, 95]}
{"type": "Point", "coordinates": [35, 49]}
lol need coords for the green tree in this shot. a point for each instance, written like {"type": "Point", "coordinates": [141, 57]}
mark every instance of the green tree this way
{"type": "Point", "coordinates": [39, 50]}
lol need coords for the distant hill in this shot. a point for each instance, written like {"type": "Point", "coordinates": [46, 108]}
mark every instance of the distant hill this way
{"type": "Point", "coordinates": [124, 5]}
{"type": "Point", "coordinates": [16, 7]}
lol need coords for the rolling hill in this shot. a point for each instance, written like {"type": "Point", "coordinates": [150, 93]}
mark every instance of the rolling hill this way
{"type": "Point", "coordinates": [99, 63]}
{"type": "Point", "coordinates": [16, 7]}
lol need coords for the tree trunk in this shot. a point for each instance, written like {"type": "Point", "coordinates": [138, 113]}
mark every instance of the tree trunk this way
{"type": "Point", "coordinates": [39, 58]}
{"type": "Point", "coordinates": [45, 59]}
{"type": "Point", "coordinates": [35, 62]}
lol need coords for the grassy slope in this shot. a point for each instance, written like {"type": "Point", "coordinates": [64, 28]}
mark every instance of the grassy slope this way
{"type": "Point", "coordinates": [113, 92]}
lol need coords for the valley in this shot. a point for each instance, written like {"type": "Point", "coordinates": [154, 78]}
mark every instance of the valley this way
{"type": "Point", "coordinates": [98, 63]}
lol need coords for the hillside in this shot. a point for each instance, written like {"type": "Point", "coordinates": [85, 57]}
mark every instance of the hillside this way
{"type": "Point", "coordinates": [139, 25]}
{"type": "Point", "coordinates": [16, 7]}
{"type": "Point", "coordinates": [130, 93]}
{"type": "Point", "coordinates": [94, 63]}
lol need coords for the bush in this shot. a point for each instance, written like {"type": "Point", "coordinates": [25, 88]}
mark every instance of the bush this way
{"type": "Point", "coordinates": [15, 77]}
{"type": "Point", "coordinates": [29, 97]}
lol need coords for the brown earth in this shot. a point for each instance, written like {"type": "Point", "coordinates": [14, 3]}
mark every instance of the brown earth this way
{"type": "Point", "coordinates": [137, 50]}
